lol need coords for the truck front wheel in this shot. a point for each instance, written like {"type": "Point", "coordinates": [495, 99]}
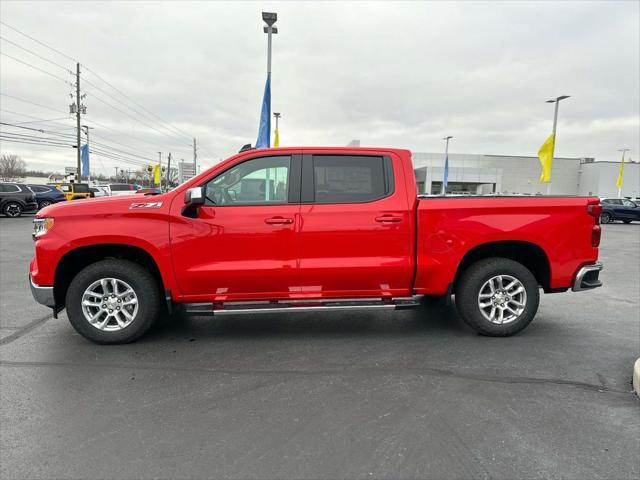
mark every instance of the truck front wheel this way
{"type": "Point", "coordinates": [497, 297]}
{"type": "Point", "coordinates": [113, 301]}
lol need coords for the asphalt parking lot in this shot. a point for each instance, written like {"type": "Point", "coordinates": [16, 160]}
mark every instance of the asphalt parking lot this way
{"type": "Point", "coordinates": [410, 394]}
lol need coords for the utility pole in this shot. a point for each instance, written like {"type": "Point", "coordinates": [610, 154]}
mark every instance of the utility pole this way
{"type": "Point", "coordinates": [116, 175]}
{"type": "Point", "coordinates": [78, 109]}
{"type": "Point", "coordinates": [195, 157]}
{"type": "Point", "coordinates": [168, 171]}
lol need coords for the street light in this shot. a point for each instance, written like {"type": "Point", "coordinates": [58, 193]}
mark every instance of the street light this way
{"type": "Point", "coordinates": [555, 124]}
{"type": "Point", "coordinates": [445, 178]}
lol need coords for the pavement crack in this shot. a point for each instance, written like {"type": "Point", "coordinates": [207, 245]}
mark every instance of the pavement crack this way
{"type": "Point", "coordinates": [24, 330]}
{"type": "Point", "coordinates": [338, 370]}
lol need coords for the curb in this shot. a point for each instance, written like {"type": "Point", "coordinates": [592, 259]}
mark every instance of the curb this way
{"type": "Point", "coordinates": [636, 377]}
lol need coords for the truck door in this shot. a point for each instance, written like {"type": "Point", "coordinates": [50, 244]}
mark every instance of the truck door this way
{"type": "Point", "coordinates": [356, 230]}
{"type": "Point", "coordinates": [243, 243]}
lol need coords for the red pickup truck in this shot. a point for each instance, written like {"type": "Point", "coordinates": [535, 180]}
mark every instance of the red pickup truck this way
{"type": "Point", "coordinates": [309, 229]}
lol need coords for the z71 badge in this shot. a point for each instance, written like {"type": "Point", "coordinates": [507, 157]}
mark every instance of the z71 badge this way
{"type": "Point", "coordinates": [145, 205]}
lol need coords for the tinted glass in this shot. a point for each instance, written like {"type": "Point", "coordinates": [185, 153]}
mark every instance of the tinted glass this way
{"type": "Point", "coordinates": [81, 188]}
{"type": "Point", "coordinates": [120, 187]}
{"type": "Point", "coordinates": [39, 189]}
{"type": "Point", "coordinates": [9, 188]}
{"type": "Point", "coordinates": [348, 179]}
{"type": "Point", "coordinates": [628, 203]}
{"type": "Point", "coordinates": [254, 182]}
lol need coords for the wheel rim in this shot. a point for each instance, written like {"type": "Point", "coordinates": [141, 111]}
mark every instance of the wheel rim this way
{"type": "Point", "coordinates": [110, 304]}
{"type": "Point", "coordinates": [45, 203]}
{"type": "Point", "coordinates": [502, 299]}
{"type": "Point", "coordinates": [13, 210]}
{"type": "Point", "coordinates": [605, 218]}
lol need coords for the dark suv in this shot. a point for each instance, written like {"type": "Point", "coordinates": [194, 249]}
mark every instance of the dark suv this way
{"type": "Point", "coordinates": [16, 199]}
{"type": "Point", "coordinates": [619, 209]}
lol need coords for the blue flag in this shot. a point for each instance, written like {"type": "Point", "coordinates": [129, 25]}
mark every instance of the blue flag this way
{"type": "Point", "coordinates": [84, 156]}
{"type": "Point", "coordinates": [446, 173]}
{"type": "Point", "coordinates": [264, 133]}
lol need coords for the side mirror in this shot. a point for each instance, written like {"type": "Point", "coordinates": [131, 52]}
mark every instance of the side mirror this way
{"type": "Point", "coordinates": [194, 197]}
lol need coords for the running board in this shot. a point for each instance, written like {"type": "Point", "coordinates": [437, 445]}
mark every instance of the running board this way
{"type": "Point", "coordinates": [240, 308]}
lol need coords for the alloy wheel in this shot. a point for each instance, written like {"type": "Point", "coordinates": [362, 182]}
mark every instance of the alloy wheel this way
{"type": "Point", "coordinates": [502, 299]}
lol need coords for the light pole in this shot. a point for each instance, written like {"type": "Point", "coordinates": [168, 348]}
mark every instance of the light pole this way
{"type": "Point", "coordinates": [445, 177]}
{"type": "Point", "coordinates": [619, 181]}
{"type": "Point", "coordinates": [269, 18]}
{"type": "Point", "coordinates": [276, 137]}
{"type": "Point", "coordinates": [264, 130]}
{"type": "Point", "coordinates": [86, 129]}
{"type": "Point", "coordinates": [555, 124]}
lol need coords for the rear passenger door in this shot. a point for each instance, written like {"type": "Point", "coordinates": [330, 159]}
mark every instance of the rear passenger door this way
{"type": "Point", "coordinates": [356, 229]}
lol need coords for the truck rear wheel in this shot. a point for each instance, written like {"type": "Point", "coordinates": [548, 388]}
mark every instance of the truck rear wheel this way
{"type": "Point", "coordinates": [497, 297]}
{"type": "Point", "coordinates": [113, 301]}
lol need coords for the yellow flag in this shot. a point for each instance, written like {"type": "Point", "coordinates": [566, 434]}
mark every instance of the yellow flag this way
{"type": "Point", "coordinates": [156, 174]}
{"type": "Point", "coordinates": [545, 154]}
{"type": "Point", "coordinates": [276, 139]}
{"type": "Point", "coordinates": [620, 173]}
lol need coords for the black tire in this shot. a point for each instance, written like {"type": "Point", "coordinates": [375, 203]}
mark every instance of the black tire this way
{"type": "Point", "coordinates": [473, 279]}
{"type": "Point", "coordinates": [605, 217]}
{"type": "Point", "coordinates": [12, 209]}
{"type": "Point", "coordinates": [627, 221]}
{"type": "Point", "coordinates": [44, 203]}
{"type": "Point", "coordinates": [144, 285]}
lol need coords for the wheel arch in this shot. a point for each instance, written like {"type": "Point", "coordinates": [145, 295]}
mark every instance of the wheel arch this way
{"type": "Point", "coordinates": [529, 254]}
{"type": "Point", "coordinates": [77, 259]}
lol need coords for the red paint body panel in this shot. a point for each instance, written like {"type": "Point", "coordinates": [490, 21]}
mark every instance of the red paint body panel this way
{"type": "Point", "coordinates": [448, 228]}
{"type": "Point", "coordinates": [230, 253]}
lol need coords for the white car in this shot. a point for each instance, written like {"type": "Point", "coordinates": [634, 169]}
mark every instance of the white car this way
{"type": "Point", "coordinates": [100, 190]}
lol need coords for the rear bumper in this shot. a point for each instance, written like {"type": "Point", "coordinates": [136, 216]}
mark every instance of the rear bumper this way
{"type": "Point", "coordinates": [42, 295]}
{"type": "Point", "coordinates": [587, 278]}
{"type": "Point", "coordinates": [30, 207]}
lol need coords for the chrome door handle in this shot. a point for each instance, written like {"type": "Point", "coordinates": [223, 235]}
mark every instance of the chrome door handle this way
{"type": "Point", "coordinates": [278, 221]}
{"type": "Point", "coordinates": [388, 219]}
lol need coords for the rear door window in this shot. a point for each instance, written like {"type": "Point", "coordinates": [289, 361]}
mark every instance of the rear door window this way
{"type": "Point", "coordinates": [351, 179]}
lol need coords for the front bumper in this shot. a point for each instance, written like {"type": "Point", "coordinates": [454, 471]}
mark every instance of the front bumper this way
{"type": "Point", "coordinates": [587, 277]}
{"type": "Point", "coordinates": [42, 295]}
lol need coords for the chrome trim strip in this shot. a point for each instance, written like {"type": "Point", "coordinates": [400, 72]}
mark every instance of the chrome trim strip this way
{"type": "Point", "coordinates": [577, 284]}
{"type": "Point", "coordinates": [319, 308]}
{"type": "Point", "coordinates": [42, 295]}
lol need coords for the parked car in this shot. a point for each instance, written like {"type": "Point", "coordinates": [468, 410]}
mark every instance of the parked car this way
{"type": "Point", "coordinates": [122, 189]}
{"type": "Point", "coordinates": [619, 209]}
{"type": "Point", "coordinates": [46, 195]}
{"type": "Point", "coordinates": [313, 229]}
{"type": "Point", "coordinates": [16, 199]}
{"type": "Point", "coordinates": [149, 191]}
{"type": "Point", "coordinates": [74, 191]}
{"type": "Point", "coordinates": [100, 191]}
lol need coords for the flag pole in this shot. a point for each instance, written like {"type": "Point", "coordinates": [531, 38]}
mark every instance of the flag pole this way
{"type": "Point", "coordinates": [620, 172]}
{"type": "Point", "coordinates": [445, 176]}
{"type": "Point", "coordinates": [555, 125]}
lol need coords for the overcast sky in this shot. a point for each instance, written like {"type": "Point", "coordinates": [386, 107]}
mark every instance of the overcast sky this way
{"type": "Point", "coordinates": [401, 74]}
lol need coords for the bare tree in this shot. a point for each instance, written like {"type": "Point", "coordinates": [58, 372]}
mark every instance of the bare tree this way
{"type": "Point", "coordinates": [12, 168]}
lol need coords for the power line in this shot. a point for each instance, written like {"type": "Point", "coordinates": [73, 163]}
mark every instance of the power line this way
{"type": "Point", "coordinates": [35, 54]}
{"type": "Point", "coordinates": [37, 68]}
{"type": "Point", "coordinates": [32, 103]}
{"type": "Point", "coordinates": [38, 41]}
{"type": "Point", "coordinates": [176, 129]}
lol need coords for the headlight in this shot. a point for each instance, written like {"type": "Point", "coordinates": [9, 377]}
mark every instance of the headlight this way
{"type": "Point", "coordinates": [41, 226]}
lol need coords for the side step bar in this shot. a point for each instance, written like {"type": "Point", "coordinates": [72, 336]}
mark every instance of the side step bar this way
{"type": "Point", "coordinates": [240, 308]}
